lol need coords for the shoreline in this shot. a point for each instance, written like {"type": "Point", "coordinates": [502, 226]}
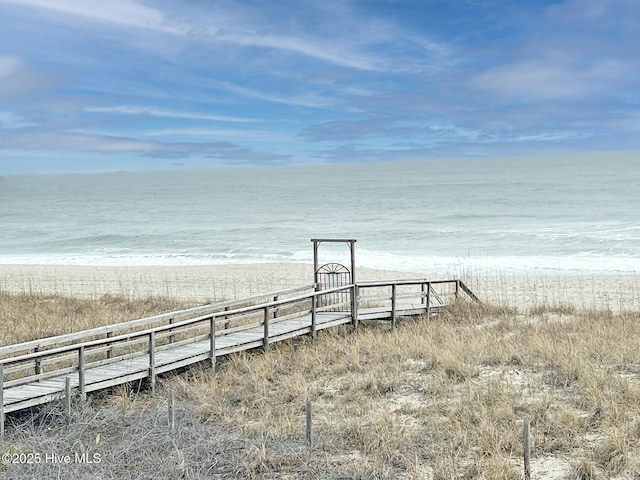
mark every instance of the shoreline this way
{"type": "Point", "coordinates": [231, 281]}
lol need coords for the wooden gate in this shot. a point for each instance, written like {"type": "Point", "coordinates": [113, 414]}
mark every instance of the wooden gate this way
{"type": "Point", "coordinates": [333, 275]}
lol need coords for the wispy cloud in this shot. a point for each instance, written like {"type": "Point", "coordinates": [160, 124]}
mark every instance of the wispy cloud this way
{"type": "Point", "coordinates": [548, 79]}
{"type": "Point", "coordinates": [332, 80]}
{"type": "Point", "coordinates": [119, 12]}
{"type": "Point", "coordinates": [158, 112]}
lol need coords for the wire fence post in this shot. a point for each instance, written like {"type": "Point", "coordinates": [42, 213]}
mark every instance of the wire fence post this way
{"type": "Point", "coordinates": [1, 401]}
{"type": "Point", "coordinates": [527, 450]}
{"type": "Point", "coordinates": [171, 411]}
{"type": "Point", "coordinates": [309, 427]}
{"type": "Point", "coordinates": [67, 398]}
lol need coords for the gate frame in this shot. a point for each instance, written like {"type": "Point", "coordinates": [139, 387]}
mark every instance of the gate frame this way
{"type": "Point", "coordinates": [316, 244]}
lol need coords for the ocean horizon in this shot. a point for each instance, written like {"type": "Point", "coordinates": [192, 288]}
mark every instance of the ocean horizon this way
{"type": "Point", "coordinates": [573, 214]}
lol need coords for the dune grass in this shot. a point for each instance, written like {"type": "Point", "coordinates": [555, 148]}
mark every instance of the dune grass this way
{"type": "Point", "coordinates": [438, 398]}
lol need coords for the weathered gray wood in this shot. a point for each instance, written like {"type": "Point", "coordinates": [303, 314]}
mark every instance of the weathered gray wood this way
{"type": "Point", "coordinates": [428, 299]}
{"type": "Point", "coordinates": [393, 305]}
{"type": "Point", "coordinates": [266, 328]}
{"type": "Point", "coordinates": [527, 451]}
{"type": "Point", "coordinates": [1, 401]}
{"type": "Point", "coordinates": [197, 343]}
{"type": "Point", "coordinates": [314, 318]}
{"type": "Point", "coordinates": [309, 429]}
{"type": "Point", "coordinates": [38, 368]}
{"type": "Point", "coordinates": [81, 382]}
{"type": "Point", "coordinates": [141, 322]}
{"type": "Point", "coordinates": [67, 397]}
{"type": "Point", "coordinates": [171, 411]}
{"type": "Point", "coordinates": [212, 342]}
{"type": "Point", "coordinates": [152, 360]}
{"type": "Point", "coordinates": [172, 337]}
{"type": "Point", "coordinates": [354, 307]}
{"type": "Point", "coordinates": [110, 349]}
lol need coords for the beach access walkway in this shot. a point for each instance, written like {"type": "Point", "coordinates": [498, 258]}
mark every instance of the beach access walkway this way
{"type": "Point", "coordinates": [40, 371]}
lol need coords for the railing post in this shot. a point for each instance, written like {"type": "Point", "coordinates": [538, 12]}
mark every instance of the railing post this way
{"type": "Point", "coordinates": [212, 342]}
{"type": "Point", "coordinates": [457, 289]}
{"type": "Point", "coordinates": [275, 309]}
{"type": "Point", "coordinates": [393, 305]}
{"type": "Point", "coordinates": [313, 317]}
{"type": "Point", "coordinates": [152, 360]}
{"type": "Point", "coordinates": [110, 351]}
{"type": "Point", "coordinates": [1, 401]}
{"type": "Point", "coordinates": [354, 306]}
{"type": "Point", "coordinates": [81, 384]}
{"type": "Point", "coordinates": [38, 368]}
{"type": "Point", "coordinates": [226, 318]}
{"type": "Point", "coordinates": [266, 329]}
{"type": "Point", "coordinates": [428, 299]}
{"type": "Point", "coordinates": [172, 337]}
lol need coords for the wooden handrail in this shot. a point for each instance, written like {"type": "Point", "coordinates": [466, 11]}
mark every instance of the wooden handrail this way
{"type": "Point", "coordinates": [172, 326]}
{"type": "Point", "coordinates": [110, 329]}
{"type": "Point", "coordinates": [190, 329]}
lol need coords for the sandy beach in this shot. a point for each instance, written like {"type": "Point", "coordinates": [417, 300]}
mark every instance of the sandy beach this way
{"type": "Point", "coordinates": [224, 282]}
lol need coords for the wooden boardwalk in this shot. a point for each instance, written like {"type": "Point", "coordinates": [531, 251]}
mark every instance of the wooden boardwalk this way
{"type": "Point", "coordinates": [37, 372]}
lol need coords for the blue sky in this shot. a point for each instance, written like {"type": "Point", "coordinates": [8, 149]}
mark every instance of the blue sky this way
{"type": "Point", "coordinates": [122, 84]}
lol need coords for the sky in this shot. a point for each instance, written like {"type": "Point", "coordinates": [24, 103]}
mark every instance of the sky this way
{"type": "Point", "coordinates": [97, 85]}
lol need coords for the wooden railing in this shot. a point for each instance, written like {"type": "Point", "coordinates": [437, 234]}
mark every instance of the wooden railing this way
{"type": "Point", "coordinates": [144, 339]}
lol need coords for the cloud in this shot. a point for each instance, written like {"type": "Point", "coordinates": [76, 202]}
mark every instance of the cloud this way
{"type": "Point", "coordinates": [17, 79]}
{"type": "Point", "coordinates": [126, 13]}
{"type": "Point", "coordinates": [43, 140]}
{"type": "Point", "coordinates": [159, 112]}
{"type": "Point", "coordinates": [312, 100]}
{"type": "Point", "coordinates": [548, 79]}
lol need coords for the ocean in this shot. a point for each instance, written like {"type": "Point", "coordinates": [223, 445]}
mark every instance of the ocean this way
{"type": "Point", "coordinates": [575, 214]}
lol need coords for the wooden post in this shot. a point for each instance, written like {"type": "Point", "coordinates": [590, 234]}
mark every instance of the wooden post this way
{"type": "Point", "coordinates": [314, 319]}
{"type": "Point", "coordinates": [457, 289]}
{"type": "Point", "coordinates": [354, 306]}
{"type": "Point", "coordinates": [423, 297]}
{"type": "Point", "coordinates": [67, 398]}
{"type": "Point", "coordinates": [527, 451]}
{"type": "Point", "coordinates": [393, 305]}
{"type": "Point", "coordinates": [152, 360]}
{"type": "Point", "coordinates": [315, 264]}
{"type": "Point", "coordinates": [110, 351]}
{"type": "Point", "coordinates": [38, 362]}
{"type": "Point", "coordinates": [81, 385]}
{"type": "Point", "coordinates": [309, 427]}
{"type": "Point", "coordinates": [1, 401]}
{"type": "Point", "coordinates": [428, 299]}
{"type": "Point", "coordinates": [172, 337]}
{"type": "Point", "coordinates": [353, 260]}
{"type": "Point", "coordinates": [212, 342]}
{"type": "Point", "coordinates": [275, 309]}
{"type": "Point", "coordinates": [266, 329]}
{"type": "Point", "coordinates": [226, 318]}
{"type": "Point", "coordinates": [171, 411]}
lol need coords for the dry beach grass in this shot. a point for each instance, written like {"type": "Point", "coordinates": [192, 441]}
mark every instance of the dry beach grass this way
{"type": "Point", "coordinates": [439, 398]}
